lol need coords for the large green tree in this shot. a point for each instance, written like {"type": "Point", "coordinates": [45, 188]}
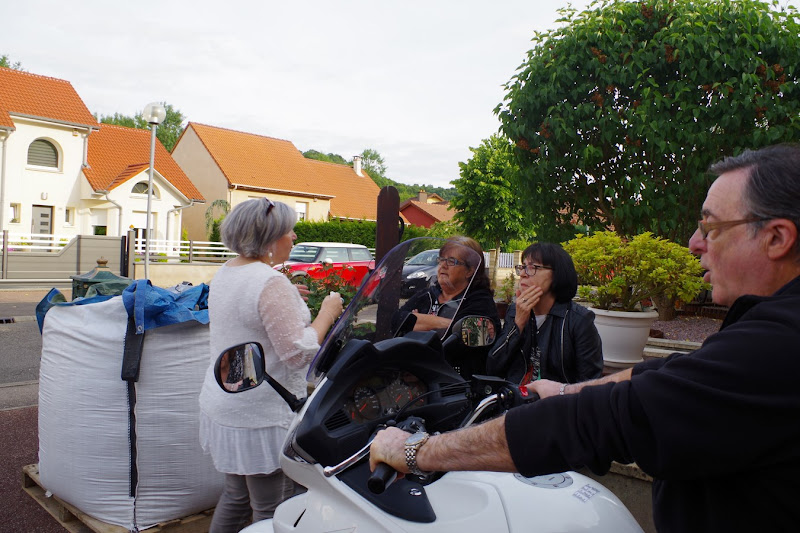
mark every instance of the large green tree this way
{"type": "Point", "coordinates": [617, 114]}
{"type": "Point", "coordinates": [488, 205]}
{"type": "Point", "coordinates": [167, 132]}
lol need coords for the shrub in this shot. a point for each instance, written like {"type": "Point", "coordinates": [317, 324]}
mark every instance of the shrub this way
{"type": "Point", "coordinates": [617, 274]}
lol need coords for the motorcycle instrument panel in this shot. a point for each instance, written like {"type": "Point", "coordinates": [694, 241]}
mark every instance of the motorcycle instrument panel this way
{"type": "Point", "coordinates": [383, 393]}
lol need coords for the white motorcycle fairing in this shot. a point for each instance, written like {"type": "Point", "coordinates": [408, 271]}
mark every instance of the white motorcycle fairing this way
{"type": "Point", "coordinates": [464, 501]}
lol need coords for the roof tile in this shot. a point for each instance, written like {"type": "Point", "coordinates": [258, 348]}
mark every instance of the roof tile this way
{"type": "Point", "coordinates": [441, 211]}
{"type": "Point", "coordinates": [116, 153]}
{"type": "Point", "coordinates": [43, 97]}
{"type": "Point", "coordinates": [247, 159]}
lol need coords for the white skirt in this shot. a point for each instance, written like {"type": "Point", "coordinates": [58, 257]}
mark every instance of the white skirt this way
{"type": "Point", "coordinates": [242, 451]}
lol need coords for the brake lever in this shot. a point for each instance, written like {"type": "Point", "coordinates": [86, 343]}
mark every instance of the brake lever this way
{"type": "Point", "coordinates": [329, 471]}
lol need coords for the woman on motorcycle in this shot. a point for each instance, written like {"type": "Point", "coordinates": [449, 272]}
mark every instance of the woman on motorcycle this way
{"type": "Point", "coordinates": [448, 299]}
{"type": "Point", "coordinates": [547, 335]}
{"type": "Point", "coordinates": [250, 301]}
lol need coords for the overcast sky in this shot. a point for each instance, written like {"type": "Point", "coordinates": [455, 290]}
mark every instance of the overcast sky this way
{"type": "Point", "coordinates": [415, 80]}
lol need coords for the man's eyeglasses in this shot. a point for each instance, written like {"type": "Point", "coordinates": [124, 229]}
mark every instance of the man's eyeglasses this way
{"type": "Point", "coordinates": [530, 270]}
{"type": "Point", "coordinates": [450, 261]}
{"type": "Point", "coordinates": [707, 227]}
{"type": "Point", "coordinates": [270, 205]}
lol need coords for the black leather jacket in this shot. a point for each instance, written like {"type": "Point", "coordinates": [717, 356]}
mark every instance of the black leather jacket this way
{"type": "Point", "coordinates": [570, 346]}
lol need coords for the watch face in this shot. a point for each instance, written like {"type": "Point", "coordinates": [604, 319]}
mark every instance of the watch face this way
{"type": "Point", "coordinates": [416, 438]}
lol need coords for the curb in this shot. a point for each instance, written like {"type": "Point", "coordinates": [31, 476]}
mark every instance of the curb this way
{"type": "Point", "coordinates": [7, 321]}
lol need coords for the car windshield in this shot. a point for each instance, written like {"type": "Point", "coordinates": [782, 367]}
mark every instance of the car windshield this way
{"type": "Point", "coordinates": [426, 258]}
{"type": "Point", "coordinates": [303, 253]}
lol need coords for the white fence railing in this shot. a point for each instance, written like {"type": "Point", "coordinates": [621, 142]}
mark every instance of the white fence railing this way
{"type": "Point", "coordinates": [160, 249]}
{"type": "Point", "coordinates": [506, 259]}
{"type": "Point", "coordinates": [34, 242]}
{"type": "Point", "coordinates": [182, 251]}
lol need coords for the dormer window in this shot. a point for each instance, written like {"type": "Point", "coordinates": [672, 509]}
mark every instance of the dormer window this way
{"type": "Point", "coordinates": [43, 153]}
{"type": "Point", "coordinates": [141, 188]}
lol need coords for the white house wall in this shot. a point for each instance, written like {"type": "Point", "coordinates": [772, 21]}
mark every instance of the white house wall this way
{"type": "Point", "coordinates": [29, 185]}
{"type": "Point", "coordinates": [317, 209]}
{"type": "Point", "coordinates": [195, 161]}
{"type": "Point", "coordinates": [134, 207]}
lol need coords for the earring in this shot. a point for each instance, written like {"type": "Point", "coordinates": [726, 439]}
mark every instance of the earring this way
{"type": "Point", "coordinates": [271, 263]}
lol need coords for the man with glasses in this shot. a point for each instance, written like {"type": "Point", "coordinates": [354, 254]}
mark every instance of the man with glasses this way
{"type": "Point", "coordinates": [717, 428]}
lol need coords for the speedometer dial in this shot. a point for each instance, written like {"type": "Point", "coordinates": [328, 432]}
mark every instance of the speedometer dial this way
{"type": "Point", "coordinates": [367, 404]}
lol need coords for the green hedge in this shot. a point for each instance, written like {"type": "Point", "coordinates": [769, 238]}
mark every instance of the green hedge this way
{"type": "Point", "coordinates": [354, 231]}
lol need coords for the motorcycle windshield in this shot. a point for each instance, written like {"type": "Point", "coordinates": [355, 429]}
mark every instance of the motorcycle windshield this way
{"type": "Point", "coordinates": [389, 304]}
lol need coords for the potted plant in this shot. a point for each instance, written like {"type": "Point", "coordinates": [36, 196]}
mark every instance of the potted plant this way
{"type": "Point", "coordinates": [616, 274]}
{"type": "Point", "coordinates": [505, 293]}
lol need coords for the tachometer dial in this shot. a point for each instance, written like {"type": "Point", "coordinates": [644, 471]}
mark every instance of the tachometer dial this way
{"type": "Point", "coordinates": [367, 404]}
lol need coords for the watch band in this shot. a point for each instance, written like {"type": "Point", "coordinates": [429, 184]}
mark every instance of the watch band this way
{"type": "Point", "coordinates": [412, 446]}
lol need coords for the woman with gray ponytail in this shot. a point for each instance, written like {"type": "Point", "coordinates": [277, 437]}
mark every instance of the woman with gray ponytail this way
{"type": "Point", "coordinates": [250, 301]}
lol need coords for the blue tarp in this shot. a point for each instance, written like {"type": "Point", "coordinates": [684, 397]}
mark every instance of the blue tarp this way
{"type": "Point", "coordinates": [151, 307]}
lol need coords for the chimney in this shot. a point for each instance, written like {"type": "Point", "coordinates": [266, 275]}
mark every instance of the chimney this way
{"type": "Point", "coordinates": [422, 196]}
{"type": "Point", "coordinates": [357, 164]}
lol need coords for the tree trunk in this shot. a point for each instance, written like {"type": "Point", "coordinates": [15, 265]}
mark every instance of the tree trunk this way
{"type": "Point", "coordinates": [496, 273]}
{"type": "Point", "coordinates": [665, 307]}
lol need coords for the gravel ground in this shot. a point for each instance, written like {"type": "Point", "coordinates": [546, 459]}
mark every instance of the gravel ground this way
{"type": "Point", "coordinates": [688, 328]}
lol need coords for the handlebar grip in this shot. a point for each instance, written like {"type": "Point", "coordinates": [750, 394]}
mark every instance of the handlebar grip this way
{"type": "Point", "coordinates": [383, 476]}
{"type": "Point", "coordinates": [532, 397]}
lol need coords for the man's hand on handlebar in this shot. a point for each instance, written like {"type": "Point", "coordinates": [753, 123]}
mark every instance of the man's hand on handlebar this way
{"type": "Point", "coordinates": [544, 388]}
{"type": "Point", "coordinates": [389, 447]}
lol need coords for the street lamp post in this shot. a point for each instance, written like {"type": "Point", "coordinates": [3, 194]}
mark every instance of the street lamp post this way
{"type": "Point", "coordinates": [154, 113]}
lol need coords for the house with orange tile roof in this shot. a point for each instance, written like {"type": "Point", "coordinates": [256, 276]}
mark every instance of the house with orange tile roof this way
{"type": "Point", "coordinates": [426, 209]}
{"type": "Point", "coordinates": [61, 172]}
{"type": "Point", "coordinates": [235, 166]}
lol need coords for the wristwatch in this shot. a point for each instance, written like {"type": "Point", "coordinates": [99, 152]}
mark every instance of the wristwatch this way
{"type": "Point", "coordinates": [412, 445]}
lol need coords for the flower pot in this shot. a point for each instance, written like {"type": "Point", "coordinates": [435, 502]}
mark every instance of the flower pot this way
{"type": "Point", "coordinates": [624, 335]}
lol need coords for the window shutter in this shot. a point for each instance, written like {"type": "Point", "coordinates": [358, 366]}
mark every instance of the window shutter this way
{"type": "Point", "coordinates": [42, 153]}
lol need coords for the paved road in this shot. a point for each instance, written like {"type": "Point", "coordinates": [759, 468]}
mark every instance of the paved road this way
{"type": "Point", "coordinates": [20, 348]}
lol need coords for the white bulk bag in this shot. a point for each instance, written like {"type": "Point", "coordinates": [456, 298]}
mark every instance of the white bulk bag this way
{"type": "Point", "coordinates": [132, 472]}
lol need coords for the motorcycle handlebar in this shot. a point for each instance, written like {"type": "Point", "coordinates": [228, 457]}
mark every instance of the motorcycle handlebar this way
{"type": "Point", "coordinates": [383, 476]}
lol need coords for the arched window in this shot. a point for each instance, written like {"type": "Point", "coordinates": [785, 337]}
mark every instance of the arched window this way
{"type": "Point", "coordinates": [43, 153]}
{"type": "Point", "coordinates": [141, 188]}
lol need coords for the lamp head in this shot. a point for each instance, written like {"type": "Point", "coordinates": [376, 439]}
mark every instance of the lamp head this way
{"type": "Point", "coordinates": [154, 113]}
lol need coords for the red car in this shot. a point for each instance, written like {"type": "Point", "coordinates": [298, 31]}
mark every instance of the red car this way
{"type": "Point", "coordinates": [316, 259]}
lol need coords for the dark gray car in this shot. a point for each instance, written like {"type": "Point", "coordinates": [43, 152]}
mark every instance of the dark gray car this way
{"type": "Point", "coordinates": [419, 272]}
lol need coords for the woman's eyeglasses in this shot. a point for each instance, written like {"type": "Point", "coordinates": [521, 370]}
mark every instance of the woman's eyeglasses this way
{"type": "Point", "coordinates": [270, 205]}
{"type": "Point", "coordinates": [530, 270]}
{"type": "Point", "coordinates": [450, 261]}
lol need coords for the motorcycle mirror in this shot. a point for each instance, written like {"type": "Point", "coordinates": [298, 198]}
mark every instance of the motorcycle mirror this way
{"type": "Point", "coordinates": [240, 368]}
{"type": "Point", "coordinates": [476, 331]}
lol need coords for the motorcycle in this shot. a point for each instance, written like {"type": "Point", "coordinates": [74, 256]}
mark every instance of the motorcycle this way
{"type": "Point", "coordinates": [374, 370]}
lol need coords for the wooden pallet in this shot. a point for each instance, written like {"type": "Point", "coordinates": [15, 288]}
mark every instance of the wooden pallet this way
{"type": "Point", "coordinates": [76, 521]}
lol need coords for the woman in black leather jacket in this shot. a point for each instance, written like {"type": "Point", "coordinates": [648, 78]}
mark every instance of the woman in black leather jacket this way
{"type": "Point", "coordinates": [545, 334]}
